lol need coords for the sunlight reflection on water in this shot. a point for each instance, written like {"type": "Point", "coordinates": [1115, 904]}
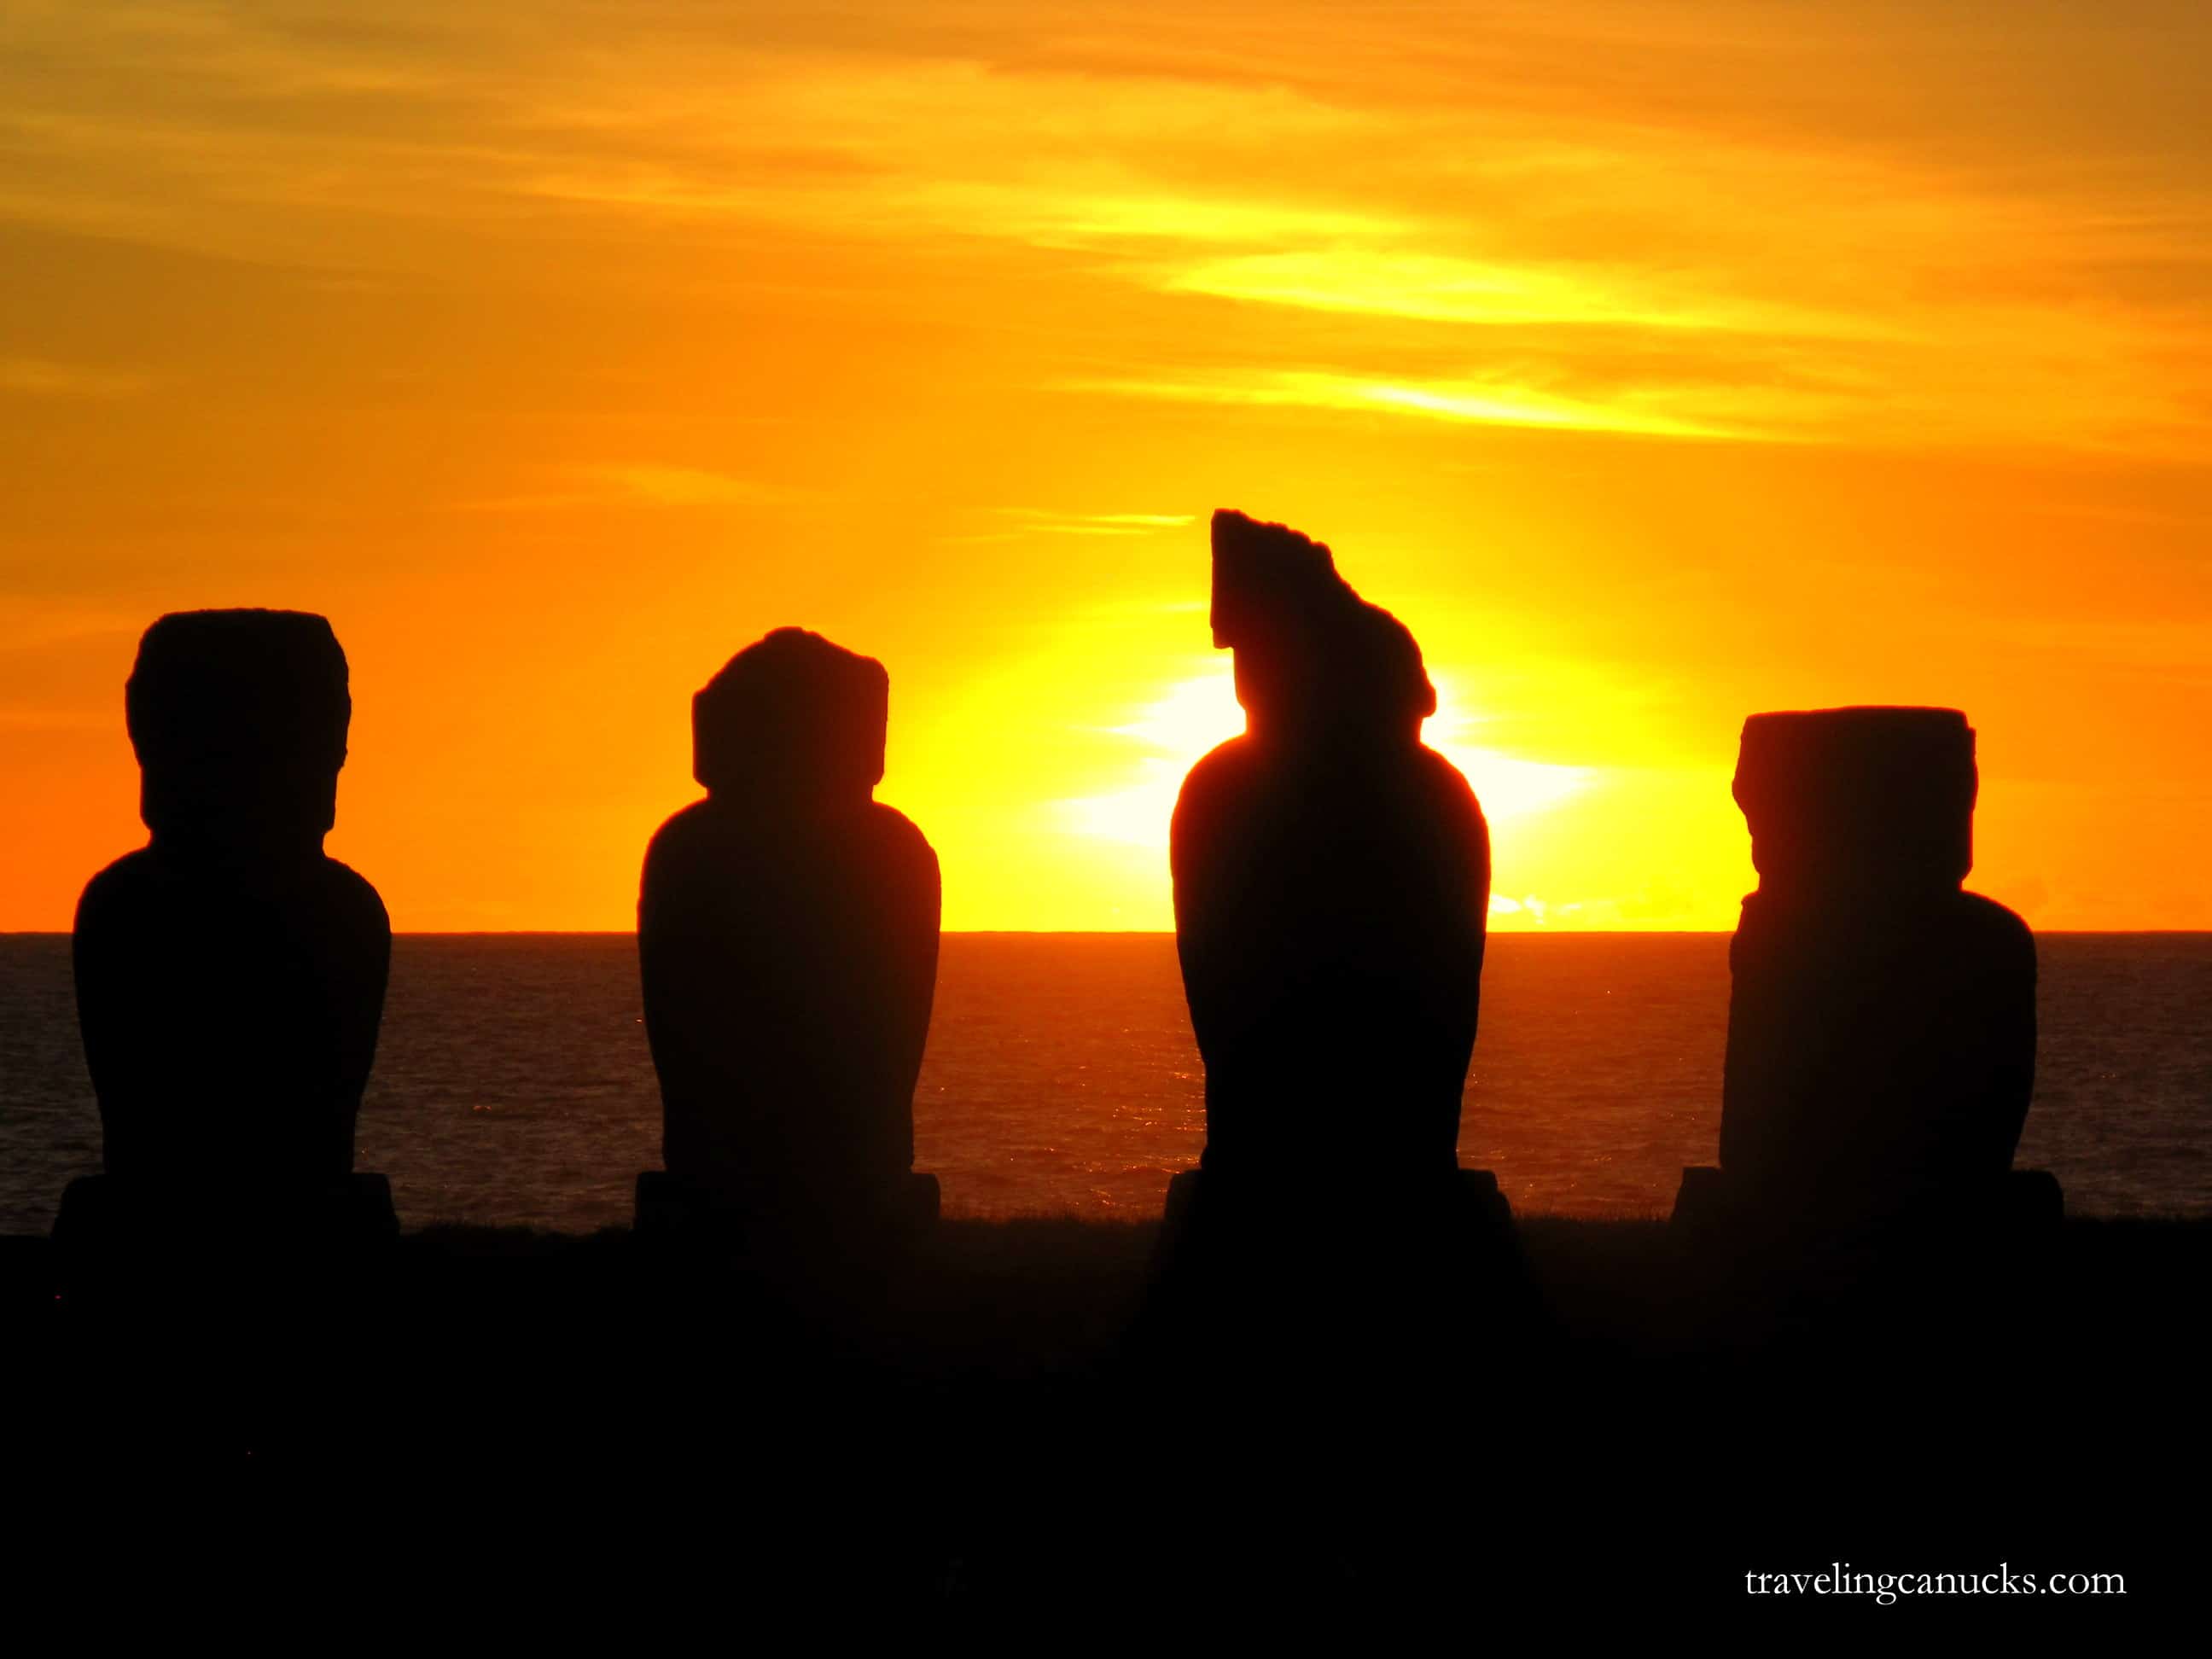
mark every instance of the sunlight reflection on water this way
{"type": "Point", "coordinates": [513, 1083]}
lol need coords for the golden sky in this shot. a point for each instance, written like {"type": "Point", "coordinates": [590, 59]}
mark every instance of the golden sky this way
{"type": "Point", "coordinates": [1657, 363]}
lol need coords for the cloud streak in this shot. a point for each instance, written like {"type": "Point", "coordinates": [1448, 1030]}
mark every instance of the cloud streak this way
{"type": "Point", "coordinates": [1461, 401]}
{"type": "Point", "coordinates": [635, 484]}
{"type": "Point", "coordinates": [37, 378]}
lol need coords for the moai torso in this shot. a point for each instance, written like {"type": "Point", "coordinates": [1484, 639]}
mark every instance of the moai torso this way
{"type": "Point", "coordinates": [788, 937]}
{"type": "Point", "coordinates": [230, 977]}
{"type": "Point", "coordinates": [1332, 880]}
{"type": "Point", "coordinates": [1881, 1024]}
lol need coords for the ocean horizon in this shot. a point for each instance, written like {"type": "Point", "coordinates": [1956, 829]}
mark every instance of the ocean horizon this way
{"type": "Point", "coordinates": [512, 1085]}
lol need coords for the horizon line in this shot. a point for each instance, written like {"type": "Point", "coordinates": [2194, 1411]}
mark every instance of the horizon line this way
{"type": "Point", "coordinates": [1169, 932]}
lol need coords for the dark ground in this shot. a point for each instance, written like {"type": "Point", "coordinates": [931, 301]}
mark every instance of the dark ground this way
{"type": "Point", "coordinates": [994, 1435]}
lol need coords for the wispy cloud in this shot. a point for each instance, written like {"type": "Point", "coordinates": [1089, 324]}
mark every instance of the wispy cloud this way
{"type": "Point", "coordinates": [1049, 523]}
{"type": "Point", "coordinates": [31, 624]}
{"type": "Point", "coordinates": [1446, 400]}
{"type": "Point", "coordinates": [686, 486]}
{"type": "Point", "coordinates": [1425, 287]}
{"type": "Point", "coordinates": [643, 485]}
{"type": "Point", "coordinates": [37, 378]}
{"type": "Point", "coordinates": [1027, 521]}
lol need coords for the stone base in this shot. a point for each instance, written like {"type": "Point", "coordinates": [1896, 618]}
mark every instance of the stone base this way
{"type": "Point", "coordinates": [1476, 1190]}
{"type": "Point", "coordinates": [126, 1236]}
{"type": "Point", "coordinates": [1887, 1278]}
{"type": "Point", "coordinates": [673, 1211]}
{"type": "Point", "coordinates": [26, 1275]}
{"type": "Point", "coordinates": [100, 1209]}
{"type": "Point", "coordinates": [1334, 1281]}
{"type": "Point", "coordinates": [1711, 1205]}
{"type": "Point", "coordinates": [1447, 1225]}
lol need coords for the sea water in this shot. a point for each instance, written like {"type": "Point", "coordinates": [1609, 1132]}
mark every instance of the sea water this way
{"type": "Point", "coordinates": [513, 1083]}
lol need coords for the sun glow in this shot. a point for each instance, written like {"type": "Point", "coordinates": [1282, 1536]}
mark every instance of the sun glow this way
{"type": "Point", "coordinates": [1191, 716]}
{"type": "Point", "coordinates": [1170, 734]}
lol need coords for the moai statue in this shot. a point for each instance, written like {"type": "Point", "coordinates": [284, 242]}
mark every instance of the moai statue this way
{"type": "Point", "coordinates": [230, 976]}
{"type": "Point", "coordinates": [1332, 888]}
{"type": "Point", "coordinates": [1332, 882]}
{"type": "Point", "coordinates": [788, 937]}
{"type": "Point", "coordinates": [1881, 1025]}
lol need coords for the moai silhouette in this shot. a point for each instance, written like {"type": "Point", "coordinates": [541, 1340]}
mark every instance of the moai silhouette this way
{"type": "Point", "coordinates": [230, 976]}
{"type": "Point", "coordinates": [787, 938]}
{"type": "Point", "coordinates": [1332, 885]}
{"type": "Point", "coordinates": [1882, 1023]}
{"type": "Point", "coordinates": [1332, 881]}
{"type": "Point", "coordinates": [1880, 1055]}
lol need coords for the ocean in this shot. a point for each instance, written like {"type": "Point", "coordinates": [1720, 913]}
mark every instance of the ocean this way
{"type": "Point", "coordinates": [512, 1085]}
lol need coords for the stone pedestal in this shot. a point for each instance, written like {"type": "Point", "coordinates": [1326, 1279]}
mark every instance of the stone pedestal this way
{"type": "Point", "coordinates": [27, 1279]}
{"type": "Point", "coordinates": [672, 1211]}
{"type": "Point", "coordinates": [1337, 1277]}
{"type": "Point", "coordinates": [1712, 1210]}
{"type": "Point", "coordinates": [120, 1236]}
{"type": "Point", "coordinates": [1958, 1268]}
{"type": "Point", "coordinates": [1468, 1195]}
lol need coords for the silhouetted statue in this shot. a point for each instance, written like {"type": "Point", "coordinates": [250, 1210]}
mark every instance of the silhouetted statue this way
{"type": "Point", "coordinates": [229, 976]}
{"type": "Point", "coordinates": [1332, 882]}
{"type": "Point", "coordinates": [1881, 1056]}
{"type": "Point", "coordinates": [1332, 885]}
{"type": "Point", "coordinates": [787, 935]}
{"type": "Point", "coordinates": [1882, 1026]}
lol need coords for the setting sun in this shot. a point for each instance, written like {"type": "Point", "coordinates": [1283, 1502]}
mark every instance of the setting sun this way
{"type": "Point", "coordinates": [1196, 713]}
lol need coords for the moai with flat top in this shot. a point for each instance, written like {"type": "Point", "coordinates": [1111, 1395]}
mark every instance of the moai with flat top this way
{"type": "Point", "coordinates": [787, 940]}
{"type": "Point", "coordinates": [230, 976]}
{"type": "Point", "coordinates": [1881, 1021]}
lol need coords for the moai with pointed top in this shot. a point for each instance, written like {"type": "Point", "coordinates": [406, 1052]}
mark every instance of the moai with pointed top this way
{"type": "Point", "coordinates": [1332, 882]}
{"type": "Point", "coordinates": [787, 939]}
{"type": "Point", "coordinates": [1881, 1021]}
{"type": "Point", "coordinates": [230, 976]}
{"type": "Point", "coordinates": [1332, 885]}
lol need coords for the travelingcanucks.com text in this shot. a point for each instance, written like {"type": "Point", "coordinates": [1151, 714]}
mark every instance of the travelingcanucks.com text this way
{"type": "Point", "coordinates": [1841, 1578]}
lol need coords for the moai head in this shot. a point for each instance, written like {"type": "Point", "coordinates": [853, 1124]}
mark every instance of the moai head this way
{"type": "Point", "coordinates": [1859, 800]}
{"type": "Point", "coordinates": [1314, 660]}
{"type": "Point", "coordinates": [239, 719]}
{"type": "Point", "coordinates": [792, 717]}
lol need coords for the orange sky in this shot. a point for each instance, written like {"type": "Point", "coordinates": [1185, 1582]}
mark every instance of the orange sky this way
{"type": "Point", "coordinates": [1656, 362]}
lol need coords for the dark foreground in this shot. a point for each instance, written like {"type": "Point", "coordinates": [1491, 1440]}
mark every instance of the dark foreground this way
{"type": "Point", "coordinates": [996, 1435]}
